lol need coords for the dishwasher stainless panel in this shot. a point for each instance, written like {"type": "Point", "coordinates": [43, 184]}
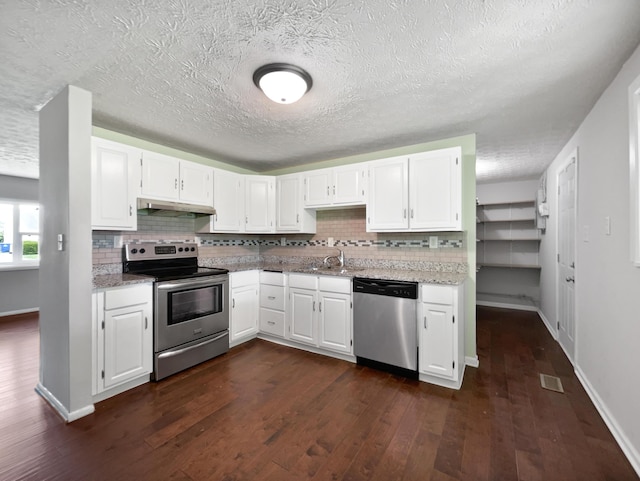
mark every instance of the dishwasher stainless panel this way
{"type": "Point", "coordinates": [384, 322]}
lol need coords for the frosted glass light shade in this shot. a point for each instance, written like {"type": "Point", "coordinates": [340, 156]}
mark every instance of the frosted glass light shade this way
{"type": "Point", "coordinates": [282, 83]}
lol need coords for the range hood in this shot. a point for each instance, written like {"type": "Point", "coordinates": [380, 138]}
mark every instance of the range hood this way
{"type": "Point", "coordinates": [166, 208]}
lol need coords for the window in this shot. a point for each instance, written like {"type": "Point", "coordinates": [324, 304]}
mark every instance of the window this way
{"type": "Point", "coordinates": [19, 233]}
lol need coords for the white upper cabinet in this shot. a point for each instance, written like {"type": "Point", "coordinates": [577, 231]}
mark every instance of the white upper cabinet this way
{"type": "Point", "coordinates": [387, 209]}
{"type": "Point", "coordinates": [172, 179]}
{"type": "Point", "coordinates": [291, 216]}
{"type": "Point", "coordinates": [337, 187]}
{"type": "Point", "coordinates": [228, 201]}
{"type": "Point", "coordinates": [435, 190]}
{"type": "Point", "coordinates": [418, 192]}
{"type": "Point", "coordinates": [260, 203]}
{"type": "Point", "coordinates": [115, 180]}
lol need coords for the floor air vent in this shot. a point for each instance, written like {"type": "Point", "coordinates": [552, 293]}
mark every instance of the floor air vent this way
{"type": "Point", "coordinates": [552, 383]}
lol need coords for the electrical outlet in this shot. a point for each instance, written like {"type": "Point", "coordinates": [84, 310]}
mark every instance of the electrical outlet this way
{"type": "Point", "coordinates": [283, 241]}
{"type": "Point", "coordinates": [330, 242]}
{"type": "Point", "coordinates": [433, 242]}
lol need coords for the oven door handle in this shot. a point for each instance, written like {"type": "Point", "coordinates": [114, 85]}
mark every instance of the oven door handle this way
{"type": "Point", "coordinates": [188, 284]}
{"type": "Point", "coordinates": [187, 349]}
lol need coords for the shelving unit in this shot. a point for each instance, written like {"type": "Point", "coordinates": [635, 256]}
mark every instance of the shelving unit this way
{"type": "Point", "coordinates": [508, 243]}
{"type": "Point", "coordinates": [507, 235]}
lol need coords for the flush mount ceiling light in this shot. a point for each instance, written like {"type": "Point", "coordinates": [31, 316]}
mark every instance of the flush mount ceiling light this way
{"type": "Point", "coordinates": [282, 82]}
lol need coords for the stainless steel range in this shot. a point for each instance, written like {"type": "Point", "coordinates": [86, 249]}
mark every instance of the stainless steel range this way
{"type": "Point", "coordinates": [191, 315]}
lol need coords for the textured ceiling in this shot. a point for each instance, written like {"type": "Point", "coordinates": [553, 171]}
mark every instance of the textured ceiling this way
{"type": "Point", "coordinates": [521, 74]}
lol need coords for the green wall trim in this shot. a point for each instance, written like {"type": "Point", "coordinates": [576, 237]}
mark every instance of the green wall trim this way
{"type": "Point", "coordinates": [161, 149]}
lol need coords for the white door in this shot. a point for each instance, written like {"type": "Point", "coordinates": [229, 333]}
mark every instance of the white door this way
{"type": "Point", "coordinates": [388, 195]}
{"type": "Point", "coordinates": [349, 185]}
{"type": "Point", "coordinates": [334, 325]}
{"type": "Point", "coordinates": [437, 349]}
{"type": "Point", "coordinates": [228, 201]}
{"type": "Point", "coordinates": [288, 203]}
{"type": "Point", "coordinates": [302, 314]}
{"type": "Point", "coordinates": [160, 176]}
{"type": "Point", "coordinates": [243, 320]}
{"type": "Point", "coordinates": [435, 180]}
{"type": "Point", "coordinates": [127, 344]}
{"type": "Point", "coordinates": [566, 255]}
{"type": "Point", "coordinates": [259, 203]}
{"type": "Point", "coordinates": [196, 183]}
{"type": "Point", "coordinates": [317, 188]}
{"type": "Point", "coordinates": [113, 185]}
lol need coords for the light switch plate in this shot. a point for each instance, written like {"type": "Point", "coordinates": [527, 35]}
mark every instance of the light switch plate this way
{"type": "Point", "coordinates": [283, 241]}
{"type": "Point", "coordinates": [433, 242]}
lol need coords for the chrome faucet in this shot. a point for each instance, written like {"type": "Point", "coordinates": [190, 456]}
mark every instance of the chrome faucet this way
{"type": "Point", "coordinates": [339, 258]}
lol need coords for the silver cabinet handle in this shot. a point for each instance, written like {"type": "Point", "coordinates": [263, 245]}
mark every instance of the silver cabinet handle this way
{"type": "Point", "coordinates": [130, 210]}
{"type": "Point", "coordinates": [246, 219]}
{"type": "Point", "coordinates": [297, 218]}
{"type": "Point", "coordinates": [271, 298]}
{"type": "Point", "coordinates": [425, 322]}
{"type": "Point", "coordinates": [175, 183]}
{"type": "Point", "coordinates": [233, 303]}
{"type": "Point", "coordinates": [182, 184]}
{"type": "Point", "coordinates": [570, 279]}
{"type": "Point", "coordinates": [271, 323]}
{"type": "Point", "coordinates": [314, 306]}
{"type": "Point", "coordinates": [412, 213]}
{"type": "Point", "coordinates": [146, 322]}
{"type": "Point", "coordinates": [320, 306]}
{"type": "Point", "coordinates": [405, 214]}
{"type": "Point", "coordinates": [327, 190]}
{"type": "Point", "coordinates": [334, 190]}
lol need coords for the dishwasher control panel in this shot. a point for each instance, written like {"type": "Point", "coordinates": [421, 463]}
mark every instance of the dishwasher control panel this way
{"type": "Point", "coordinates": [402, 289]}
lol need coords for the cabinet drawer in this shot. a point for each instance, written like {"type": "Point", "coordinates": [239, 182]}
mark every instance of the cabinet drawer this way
{"type": "Point", "coordinates": [273, 278]}
{"type": "Point", "coordinates": [243, 278]}
{"type": "Point", "coordinates": [335, 284]}
{"type": "Point", "coordinates": [437, 294]}
{"type": "Point", "coordinates": [127, 296]}
{"type": "Point", "coordinates": [272, 322]}
{"type": "Point", "coordinates": [303, 281]}
{"type": "Point", "coordinates": [272, 297]}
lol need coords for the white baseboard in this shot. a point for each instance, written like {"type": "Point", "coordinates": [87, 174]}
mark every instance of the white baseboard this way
{"type": "Point", "coordinates": [552, 331]}
{"type": "Point", "coordinates": [19, 311]}
{"type": "Point", "coordinates": [627, 447]}
{"type": "Point", "coordinates": [59, 407]}
{"type": "Point", "coordinates": [472, 361]}
{"type": "Point", "coordinates": [506, 305]}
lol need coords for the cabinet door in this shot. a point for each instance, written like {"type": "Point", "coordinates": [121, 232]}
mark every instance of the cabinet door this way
{"type": "Point", "coordinates": [259, 203]}
{"type": "Point", "coordinates": [435, 190]}
{"type": "Point", "coordinates": [302, 315]}
{"type": "Point", "coordinates": [244, 312]}
{"type": "Point", "coordinates": [228, 200]}
{"type": "Point", "coordinates": [437, 343]}
{"type": "Point", "coordinates": [349, 185]}
{"type": "Point", "coordinates": [160, 176]}
{"type": "Point", "coordinates": [127, 344]}
{"type": "Point", "coordinates": [388, 195]}
{"type": "Point", "coordinates": [196, 183]}
{"type": "Point", "coordinates": [288, 203]}
{"type": "Point", "coordinates": [114, 179]}
{"type": "Point", "coordinates": [317, 188]}
{"type": "Point", "coordinates": [334, 326]}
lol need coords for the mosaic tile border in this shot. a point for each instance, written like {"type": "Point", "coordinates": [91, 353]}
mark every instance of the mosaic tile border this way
{"type": "Point", "coordinates": [110, 242]}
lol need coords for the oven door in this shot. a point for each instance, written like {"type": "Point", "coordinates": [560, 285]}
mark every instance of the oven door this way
{"type": "Point", "coordinates": [190, 309]}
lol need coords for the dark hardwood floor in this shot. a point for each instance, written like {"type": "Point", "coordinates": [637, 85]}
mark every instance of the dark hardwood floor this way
{"type": "Point", "coordinates": [267, 412]}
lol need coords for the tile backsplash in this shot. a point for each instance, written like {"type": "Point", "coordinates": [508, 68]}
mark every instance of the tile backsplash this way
{"type": "Point", "coordinates": [346, 227]}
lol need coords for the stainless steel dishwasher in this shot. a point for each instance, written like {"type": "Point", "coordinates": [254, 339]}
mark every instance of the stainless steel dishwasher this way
{"type": "Point", "coordinates": [384, 325]}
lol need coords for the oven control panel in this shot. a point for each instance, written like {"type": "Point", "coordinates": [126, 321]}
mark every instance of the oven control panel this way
{"type": "Point", "coordinates": [147, 251]}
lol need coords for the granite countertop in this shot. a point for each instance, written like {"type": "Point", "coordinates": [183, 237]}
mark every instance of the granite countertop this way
{"type": "Point", "coordinates": [409, 275]}
{"type": "Point", "coordinates": [117, 280]}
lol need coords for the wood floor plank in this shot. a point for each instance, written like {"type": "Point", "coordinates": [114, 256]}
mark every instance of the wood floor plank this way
{"type": "Point", "coordinates": [268, 412]}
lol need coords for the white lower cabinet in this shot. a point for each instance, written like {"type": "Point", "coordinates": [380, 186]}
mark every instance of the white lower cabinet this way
{"type": "Point", "coordinates": [319, 312]}
{"type": "Point", "coordinates": [123, 336]}
{"type": "Point", "coordinates": [243, 317]}
{"type": "Point", "coordinates": [272, 303]}
{"type": "Point", "coordinates": [441, 335]}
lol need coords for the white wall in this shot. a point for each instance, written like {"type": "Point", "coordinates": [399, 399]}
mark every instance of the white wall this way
{"type": "Point", "coordinates": [65, 275]}
{"type": "Point", "coordinates": [607, 284]}
{"type": "Point", "coordinates": [18, 289]}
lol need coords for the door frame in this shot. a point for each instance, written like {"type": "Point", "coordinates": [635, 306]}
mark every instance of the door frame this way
{"type": "Point", "coordinates": [572, 156]}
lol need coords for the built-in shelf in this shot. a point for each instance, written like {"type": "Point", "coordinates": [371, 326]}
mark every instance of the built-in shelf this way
{"type": "Point", "coordinates": [507, 235]}
{"type": "Point", "coordinates": [524, 303]}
